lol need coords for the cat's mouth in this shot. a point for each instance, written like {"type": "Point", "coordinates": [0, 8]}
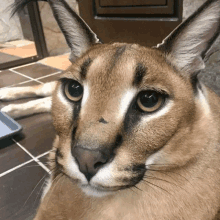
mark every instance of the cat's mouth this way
{"type": "Point", "coordinates": [100, 191]}
{"type": "Point", "coordinates": [106, 189]}
{"type": "Point", "coordinates": [105, 182]}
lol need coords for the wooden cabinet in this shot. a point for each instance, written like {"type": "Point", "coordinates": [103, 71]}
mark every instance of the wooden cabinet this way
{"type": "Point", "coordinates": [146, 22]}
{"type": "Point", "coordinates": [134, 7]}
{"type": "Point", "coordinates": [120, 3]}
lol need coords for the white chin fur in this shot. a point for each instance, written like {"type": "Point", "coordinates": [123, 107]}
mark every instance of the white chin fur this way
{"type": "Point", "coordinates": [91, 191]}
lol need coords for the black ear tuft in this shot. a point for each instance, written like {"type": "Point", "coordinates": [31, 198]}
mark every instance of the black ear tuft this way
{"type": "Point", "coordinates": [187, 46]}
{"type": "Point", "coordinates": [77, 33]}
{"type": "Point", "coordinates": [18, 5]}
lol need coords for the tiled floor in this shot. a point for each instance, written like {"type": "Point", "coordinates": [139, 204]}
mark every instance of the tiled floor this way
{"type": "Point", "coordinates": [4, 57]}
{"type": "Point", "coordinates": [23, 167]}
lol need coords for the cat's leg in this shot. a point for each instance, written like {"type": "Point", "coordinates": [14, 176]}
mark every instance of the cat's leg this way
{"type": "Point", "coordinates": [14, 93]}
{"type": "Point", "coordinates": [29, 108]}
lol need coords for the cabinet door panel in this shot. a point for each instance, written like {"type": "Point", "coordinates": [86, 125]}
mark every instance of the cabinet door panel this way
{"type": "Point", "coordinates": [144, 24]}
{"type": "Point", "coordinates": [120, 3]}
{"type": "Point", "coordinates": [121, 8]}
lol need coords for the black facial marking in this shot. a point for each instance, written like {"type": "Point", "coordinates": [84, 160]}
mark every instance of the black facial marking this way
{"type": "Point", "coordinates": [138, 171]}
{"type": "Point", "coordinates": [133, 180]}
{"type": "Point", "coordinates": [58, 153]}
{"type": "Point", "coordinates": [194, 82]}
{"type": "Point", "coordinates": [140, 72]}
{"type": "Point", "coordinates": [102, 120]}
{"type": "Point", "coordinates": [58, 167]}
{"type": "Point", "coordinates": [114, 146]}
{"type": "Point", "coordinates": [139, 167]}
{"type": "Point", "coordinates": [118, 53]}
{"type": "Point", "coordinates": [136, 168]}
{"type": "Point", "coordinates": [132, 116]}
{"type": "Point", "coordinates": [84, 68]}
{"type": "Point", "coordinates": [76, 110]}
{"type": "Point", "coordinates": [118, 140]}
{"type": "Point", "coordinates": [74, 132]}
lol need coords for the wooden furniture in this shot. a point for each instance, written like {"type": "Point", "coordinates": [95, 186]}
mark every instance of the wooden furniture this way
{"type": "Point", "coordinates": [146, 22]}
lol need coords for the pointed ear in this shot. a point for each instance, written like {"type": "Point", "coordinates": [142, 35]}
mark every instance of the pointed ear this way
{"type": "Point", "coordinates": [77, 33]}
{"type": "Point", "coordinates": [186, 47]}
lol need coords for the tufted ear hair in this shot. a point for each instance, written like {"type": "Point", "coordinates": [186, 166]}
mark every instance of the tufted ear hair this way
{"type": "Point", "coordinates": [77, 33]}
{"type": "Point", "coordinates": [187, 46]}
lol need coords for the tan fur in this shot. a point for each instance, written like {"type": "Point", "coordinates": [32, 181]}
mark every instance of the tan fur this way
{"type": "Point", "coordinates": [163, 165]}
{"type": "Point", "coordinates": [186, 140]}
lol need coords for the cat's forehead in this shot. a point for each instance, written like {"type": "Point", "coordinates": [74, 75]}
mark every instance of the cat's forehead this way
{"type": "Point", "coordinates": [122, 64]}
{"type": "Point", "coordinates": [117, 54]}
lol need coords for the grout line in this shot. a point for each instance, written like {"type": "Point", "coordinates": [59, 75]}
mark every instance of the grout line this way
{"type": "Point", "coordinates": [41, 155]}
{"type": "Point", "coordinates": [23, 164]}
{"type": "Point", "coordinates": [34, 158]}
{"type": "Point", "coordinates": [42, 77]}
{"type": "Point", "coordinates": [38, 81]}
{"type": "Point", "coordinates": [16, 84]}
{"type": "Point", "coordinates": [14, 68]}
{"type": "Point", "coordinates": [23, 82]}
{"type": "Point", "coordinates": [43, 166]}
{"type": "Point", "coordinates": [15, 168]}
{"type": "Point", "coordinates": [14, 71]}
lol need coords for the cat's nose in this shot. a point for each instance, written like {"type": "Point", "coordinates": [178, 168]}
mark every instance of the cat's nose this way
{"type": "Point", "coordinates": [90, 161]}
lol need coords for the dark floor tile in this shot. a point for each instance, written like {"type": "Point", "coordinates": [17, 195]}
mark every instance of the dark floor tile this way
{"type": "Point", "coordinates": [38, 133]}
{"type": "Point", "coordinates": [51, 78]}
{"type": "Point", "coordinates": [4, 58]}
{"type": "Point", "coordinates": [9, 78]}
{"type": "Point", "coordinates": [11, 155]}
{"type": "Point", "coordinates": [36, 70]}
{"type": "Point", "coordinates": [45, 160]}
{"type": "Point", "coordinates": [20, 192]}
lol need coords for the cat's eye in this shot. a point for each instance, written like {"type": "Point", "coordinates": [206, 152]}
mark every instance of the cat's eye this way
{"type": "Point", "coordinates": [150, 101]}
{"type": "Point", "coordinates": [74, 90]}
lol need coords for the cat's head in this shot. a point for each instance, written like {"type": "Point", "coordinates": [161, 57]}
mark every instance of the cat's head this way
{"type": "Point", "coordinates": [121, 109]}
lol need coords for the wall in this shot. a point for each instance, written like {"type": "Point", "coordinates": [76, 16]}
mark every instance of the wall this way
{"type": "Point", "coordinates": [10, 29]}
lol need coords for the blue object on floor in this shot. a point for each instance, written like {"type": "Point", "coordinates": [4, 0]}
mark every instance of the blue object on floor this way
{"type": "Point", "coordinates": [8, 126]}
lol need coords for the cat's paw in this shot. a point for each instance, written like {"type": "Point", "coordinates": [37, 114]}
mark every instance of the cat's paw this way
{"type": "Point", "coordinates": [12, 110]}
{"type": "Point", "coordinates": [7, 94]}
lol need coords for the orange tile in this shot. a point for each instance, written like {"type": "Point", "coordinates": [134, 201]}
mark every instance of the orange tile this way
{"type": "Point", "coordinates": [24, 51]}
{"type": "Point", "coordinates": [59, 62]}
{"type": "Point", "coordinates": [19, 43]}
